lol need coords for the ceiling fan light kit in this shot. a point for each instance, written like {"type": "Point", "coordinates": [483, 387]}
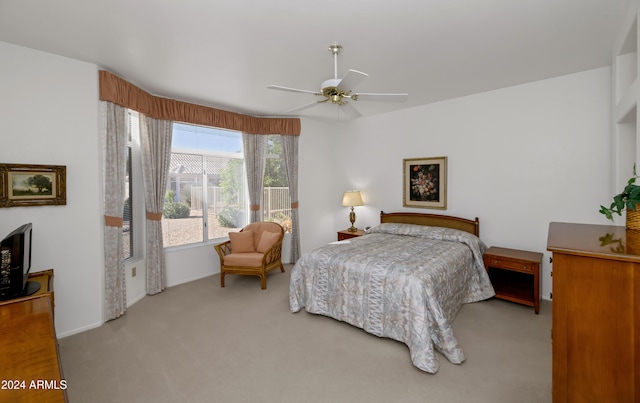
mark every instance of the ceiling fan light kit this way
{"type": "Point", "coordinates": [337, 91]}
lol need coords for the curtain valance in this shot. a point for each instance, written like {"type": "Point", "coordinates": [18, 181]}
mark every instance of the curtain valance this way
{"type": "Point", "coordinates": [123, 93]}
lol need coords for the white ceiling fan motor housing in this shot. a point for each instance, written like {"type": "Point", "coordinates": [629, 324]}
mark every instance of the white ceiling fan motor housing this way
{"type": "Point", "coordinates": [332, 82]}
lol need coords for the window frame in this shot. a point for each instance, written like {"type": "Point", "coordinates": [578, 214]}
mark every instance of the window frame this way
{"type": "Point", "coordinates": [136, 188]}
{"type": "Point", "coordinates": [203, 153]}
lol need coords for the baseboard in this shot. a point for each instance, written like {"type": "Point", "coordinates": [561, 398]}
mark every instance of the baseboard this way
{"type": "Point", "coordinates": [194, 278]}
{"type": "Point", "coordinates": [79, 330]}
{"type": "Point", "coordinates": [136, 299]}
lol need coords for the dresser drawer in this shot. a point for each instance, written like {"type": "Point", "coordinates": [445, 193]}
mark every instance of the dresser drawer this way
{"type": "Point", "coordinates": [502, 263]}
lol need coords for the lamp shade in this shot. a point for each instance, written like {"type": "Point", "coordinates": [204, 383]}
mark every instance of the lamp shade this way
{"type": "Point", "coordinates": [352, 198]}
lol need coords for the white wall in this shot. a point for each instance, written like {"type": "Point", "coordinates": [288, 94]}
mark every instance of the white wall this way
{"type": "Point", "coordinates": [518, 158]}
{"type": "Point", "coordinates": [49, 115]}
{"type": "Point", "coordinates": [319, 173]}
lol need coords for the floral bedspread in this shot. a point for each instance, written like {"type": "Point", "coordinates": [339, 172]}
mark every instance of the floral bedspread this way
{"type": "Point", "coordinates": [401, 281]}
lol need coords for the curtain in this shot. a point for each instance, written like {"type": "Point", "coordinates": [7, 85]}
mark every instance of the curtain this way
{"type": "Point", "coordinates": [254, 156]}
{"type": "Point", "coordinates": [290, 154]}
{"type": "Point", "coordinates": [113, 129]}
{"type": "Point", "coordinates": [155, 147]}
{"type": "Point", "coordinates": [115, 89]}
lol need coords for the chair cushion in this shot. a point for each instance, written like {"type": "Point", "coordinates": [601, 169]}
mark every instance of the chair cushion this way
{"type": "Point", "coordinates": [242, 242]}
{"type": "Point", "coordinates": [252, 259]}
{"type": "Point", "coordinates": [267, 240]}
{"type": "Point", "coordinates": [259, 227]}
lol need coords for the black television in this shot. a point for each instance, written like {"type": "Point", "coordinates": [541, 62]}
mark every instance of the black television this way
{"type": "Point", "coordinates": [15, 263]}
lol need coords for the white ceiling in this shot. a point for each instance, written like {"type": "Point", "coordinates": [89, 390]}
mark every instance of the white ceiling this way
{"type": "Point", "coordinates": [225, 53]}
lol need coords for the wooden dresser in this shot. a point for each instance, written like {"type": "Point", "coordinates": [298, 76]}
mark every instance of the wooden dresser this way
{"type": "Point", "coordinates": [29, 359]}
{"type": "Point", "coordinates": [45, 281]}
{"type": "Point", "coordinates": [596, 313]}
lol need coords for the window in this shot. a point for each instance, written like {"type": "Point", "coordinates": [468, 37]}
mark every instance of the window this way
{"type": "Point", "coordinates": [133, 214]}
{"type": "Point", "coordinates": [194, 212]}
{"type": "Point", "coordinates": [277, 202]}
{"type": "Point", "coordinates": [127, 224]}
{"type": "Point", "coordinates": [130, 219]}
{"type": "Point", "coordinates": [206, 195]}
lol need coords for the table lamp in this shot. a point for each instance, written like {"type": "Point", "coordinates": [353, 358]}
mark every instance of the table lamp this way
{"type": "Point", "coordinates": [351, 199]}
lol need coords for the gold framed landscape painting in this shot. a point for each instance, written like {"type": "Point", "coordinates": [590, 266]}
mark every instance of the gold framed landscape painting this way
{"type": "Point", "coordinates": [425, 182]}
{"type": "Point", "coordinates": [32, 185]}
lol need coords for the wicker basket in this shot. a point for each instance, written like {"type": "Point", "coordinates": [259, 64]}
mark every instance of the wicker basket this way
{"type": "Point", "coordinates": [633, 242]}
{"type": "Point", "coordinates": [633, 219]}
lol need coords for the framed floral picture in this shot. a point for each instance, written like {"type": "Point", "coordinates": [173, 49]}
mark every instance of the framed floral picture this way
{"type": "Point", "coordinates": [32, 185]}
{"type": "Point", "coordinates": [425, 182]}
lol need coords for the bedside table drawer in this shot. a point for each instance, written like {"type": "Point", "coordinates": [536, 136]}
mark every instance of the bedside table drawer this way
{"type": "Point", "coordinates": [342, 236]}
{"type": "Point", "coordinates": [346, 234]}
{"type": "Point", "coordinates": [510, 264]}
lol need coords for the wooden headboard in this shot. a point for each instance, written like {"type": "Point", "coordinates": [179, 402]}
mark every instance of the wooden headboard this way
{"type": "Point", "coordinates": [435, 220]}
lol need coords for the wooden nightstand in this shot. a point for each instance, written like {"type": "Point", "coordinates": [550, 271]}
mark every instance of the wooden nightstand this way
{"type": "Point", "coordinates": [346, 234]}
{"type": "Point", "coordinates": [515, 275]}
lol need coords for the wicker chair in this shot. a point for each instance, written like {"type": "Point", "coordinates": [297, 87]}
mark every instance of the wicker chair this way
{"type": "Point", "coordinates": [258, 250]}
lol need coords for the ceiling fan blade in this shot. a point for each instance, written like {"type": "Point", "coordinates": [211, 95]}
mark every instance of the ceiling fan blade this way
{"type": "Point", "coordinates": [350, 110]}
{"type": "Point", "coordinates": [380, 97]}
{"type": "Point", "coordinates": [351, 80]}
{"type": "Point", "coordinates": [307, 106]}
{"type": "Point", "coordinates": [280, 88]}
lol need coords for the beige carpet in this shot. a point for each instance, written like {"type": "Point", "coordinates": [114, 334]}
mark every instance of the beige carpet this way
{"type": "Point", "coordinates": [198, 342]}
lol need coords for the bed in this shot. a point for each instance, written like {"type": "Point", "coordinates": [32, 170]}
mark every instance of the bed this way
{"type": "Point", "coordinates": [405, 279]}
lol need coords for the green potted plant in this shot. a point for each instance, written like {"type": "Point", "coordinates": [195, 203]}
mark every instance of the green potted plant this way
{"type": "Point", "coordinates": [629, 198]}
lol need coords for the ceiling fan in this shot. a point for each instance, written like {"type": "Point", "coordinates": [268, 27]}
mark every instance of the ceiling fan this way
{"type": "Point", "coordinates": [339, 91]}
